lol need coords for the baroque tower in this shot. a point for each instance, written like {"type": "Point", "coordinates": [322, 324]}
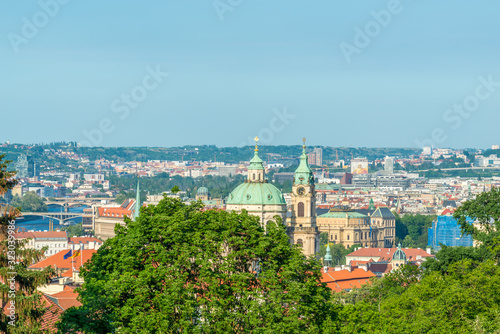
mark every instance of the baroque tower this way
{"type": "Point", "coordinates": [302, 229]}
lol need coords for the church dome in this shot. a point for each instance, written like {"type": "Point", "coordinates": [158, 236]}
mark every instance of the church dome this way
{"type": "Point", "coordinates": [399, 254]}
{"type": "Point", "coordinates": [256, 194]}
{"type": "Point", "coordinates": [202, 191]}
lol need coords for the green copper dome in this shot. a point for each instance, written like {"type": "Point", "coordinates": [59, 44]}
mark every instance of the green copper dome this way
{"type": "Point", "coordinates": [257, 194]}
{"type": "Point", "coordinates": [202, 191]}
{"type": "Point", "coordinates": [399, 254]}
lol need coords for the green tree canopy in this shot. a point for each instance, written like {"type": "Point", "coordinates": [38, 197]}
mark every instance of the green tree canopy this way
{"type": "Point", "coordinates": [25, 300]}
{"type": "Point", "coordinates": [179, 268]}
{"type": "Point", "coordinates": [30, 202]}
{"type": "Point", "coordinates": [484, 210]}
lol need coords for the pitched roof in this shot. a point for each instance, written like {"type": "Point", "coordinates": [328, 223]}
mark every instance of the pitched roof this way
{"type": "Point", "coordinates": [385, 254]}
{"type": "Point", "coordinates": [125, 209]}
{"type": "Point", "coordinates": [345, 279]}
{"type": "Point", "coordinates": [61, 263]}
{"type": "Point", "coordinates": [383, 212]}
{"type": "Point", "coordinates": [52, 314]}
{"type": "Point", "coordinates": [84, 240]}
{"type": "Point", "coordinates": [342, 214]}
{"type": "Point", "coordinates": [41, 235]}
{"type": "Point", "coordinates": [380, 267]}
{"type": "Point", "coordinates": [66, 298]}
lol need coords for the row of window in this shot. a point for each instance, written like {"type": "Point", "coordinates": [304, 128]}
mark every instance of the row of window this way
{"type": "Point", "coordinates": [53, 246]}
{"type": "Point", "coordinates": [368, 235]}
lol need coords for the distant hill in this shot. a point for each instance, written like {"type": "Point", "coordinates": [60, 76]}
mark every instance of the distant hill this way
{"type": "Point", "coordinates": [205, 152]}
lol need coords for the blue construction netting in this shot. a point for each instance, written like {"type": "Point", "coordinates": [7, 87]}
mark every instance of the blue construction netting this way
{"type": "Point", "coordinates": [447, 232]}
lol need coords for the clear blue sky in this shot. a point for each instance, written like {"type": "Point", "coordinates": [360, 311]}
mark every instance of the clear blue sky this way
{"type": "Point", "coordinates": [227, 76]}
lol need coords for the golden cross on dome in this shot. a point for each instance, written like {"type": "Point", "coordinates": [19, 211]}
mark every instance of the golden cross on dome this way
{"type": "Point", "coordinates": [304, 140]}
{"type": "Point", "coordinates": [256, 143]}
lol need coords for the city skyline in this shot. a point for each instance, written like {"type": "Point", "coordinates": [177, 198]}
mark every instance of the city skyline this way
{"type": "Point", "coordinates": [341, 75]}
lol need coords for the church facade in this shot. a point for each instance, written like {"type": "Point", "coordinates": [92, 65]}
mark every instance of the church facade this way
{"type": "Point", "coordinates": [264, 200]}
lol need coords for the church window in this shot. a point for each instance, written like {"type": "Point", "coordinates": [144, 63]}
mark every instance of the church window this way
{"type": "Point", "coordinates": [300, 209]}
{"type": "Point", "coordinates": [253, 176]}
{"type": "Point", "coordinates": [335, 237]}
{"type": "Point", "coordinates": [331, 236]}
{"type": "Point", "coordinates": [348, 236]}
{"type": "Point", "coordinates": [365, 235]}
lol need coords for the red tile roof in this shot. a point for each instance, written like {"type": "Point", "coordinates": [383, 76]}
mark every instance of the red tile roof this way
{"type": "Point", "coordinates": [61, 263]}
{"type": "Point", "coordinates": [39, 235]}
{"type": "Point", "coordinates": [51, 316]}
{"type": "Point", "coordinates": [447, 212]}
{"type": "Point", "coordinates": [66, 298]}
{"type": "Point", "coordinates": [383, 268]}
{"type": "Point", "coordinates": [385, 254]}
{"type": "Point", "coordinates": [84, 240]}
{"type": "Point", "coordinates": [345, 279]}
{"type": "Point", "coordinates": [118, 211]}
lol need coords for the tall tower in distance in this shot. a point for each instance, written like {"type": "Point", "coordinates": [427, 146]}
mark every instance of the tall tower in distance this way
{"type": "Point", "coordinates": [389, 165]}
{"type": "Point", "coordinates": [318, 152]}
{"type": "Point", "coordinates": [302, 229]}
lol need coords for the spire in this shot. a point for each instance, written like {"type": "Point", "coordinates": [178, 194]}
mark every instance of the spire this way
{"type": "Point", "coordinates": [137, 202]}
{"type": "Point", "coordinates": [303, 173]}
{"type": "Point", "coordinates": [372, 205]}
{"type": "Point", "coordinates": [327, 261]}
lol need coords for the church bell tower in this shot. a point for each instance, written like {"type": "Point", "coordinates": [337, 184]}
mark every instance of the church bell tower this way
{"type": "Point", "coordinates": [302, 228]}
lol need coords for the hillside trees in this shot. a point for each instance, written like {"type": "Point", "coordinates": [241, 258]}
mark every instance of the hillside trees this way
{"type": "Point", "coordinates": [179, 268]}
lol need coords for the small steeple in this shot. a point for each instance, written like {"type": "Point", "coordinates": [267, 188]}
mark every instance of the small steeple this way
{"type": "Point", "coordinates": [327, 261]}
{"type": "Point", "coordinates": [137, 202]}
{"type": "Point", "coordinates": [372, 205]}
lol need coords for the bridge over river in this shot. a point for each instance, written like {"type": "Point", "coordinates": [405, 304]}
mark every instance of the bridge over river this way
{"type": "Point", "coordinates": [61, 216]}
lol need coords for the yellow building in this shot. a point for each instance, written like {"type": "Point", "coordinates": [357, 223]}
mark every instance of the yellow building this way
{"type": "Point", "coordinates": [348, 227]}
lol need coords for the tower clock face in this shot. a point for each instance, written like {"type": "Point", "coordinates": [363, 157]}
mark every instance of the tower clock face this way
{"type": "Point", "coordinates": [301, 191]}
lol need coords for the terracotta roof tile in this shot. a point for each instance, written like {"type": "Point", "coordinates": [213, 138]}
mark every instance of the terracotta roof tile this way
{"type": "Point", "coordinates": [84, 240]}
{"type": "Point", "coordinates": [51, 316]}
{"type": "Point", "coordinates": [40, 234]}
{"type": "Point", "coordinates": [61, 263]}
{"type": "Point", "coordinates": [385, 254]}
{"type": "Point", "coordinates": [66, 298]}
{"type": "Point", "coordinates": [345, 279]}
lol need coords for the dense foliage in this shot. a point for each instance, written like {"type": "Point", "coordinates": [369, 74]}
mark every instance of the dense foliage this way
{"type": "Point", "coordinates": [411, 230]}
{"type": "Point", "coordinates": [30, 202]}
{"type": "Point", "coordinates": [338, 251]}
{"type": "Point", "coordinates": [75, 230]}
{"type": "Point", "coordinates": [218, 186]}
{"type": "Point", "coordinates": [179, 268]}
{"type": "Point", "coordinates": [28, 308]}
